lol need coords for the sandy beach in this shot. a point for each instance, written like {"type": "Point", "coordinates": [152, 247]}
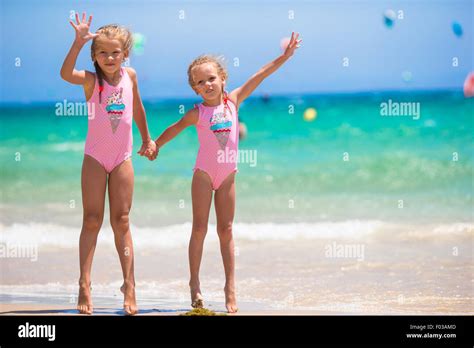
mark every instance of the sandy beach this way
{"type": "Point", "coordinates": [51, 309]}
{"type": "Point", "coordinates": [299, 276]}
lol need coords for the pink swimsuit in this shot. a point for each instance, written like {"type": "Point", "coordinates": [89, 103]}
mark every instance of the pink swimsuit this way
{"type": "Point", "coordinates": [109, 134]}
{"type": "Point", "coordinates": [218, 133]}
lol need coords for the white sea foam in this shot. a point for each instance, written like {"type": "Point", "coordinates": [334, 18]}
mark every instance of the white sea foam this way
{"type": "Point", "coordinates": [67, 146]}
{"type": "Point", "coordinates": [175, 236]}
{"type": "Point", "coordinates": [172, 290]}
{"type": "Point", "coordinates": [178, 235]}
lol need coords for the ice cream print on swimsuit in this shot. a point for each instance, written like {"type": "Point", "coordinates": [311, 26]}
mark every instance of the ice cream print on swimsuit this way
{"type": "Point", "coordinates": [115, 108]}
{"type": "Point", "coordinates": [221, 125]}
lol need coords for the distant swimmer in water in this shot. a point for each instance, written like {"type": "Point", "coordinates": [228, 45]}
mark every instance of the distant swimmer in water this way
{"type": "Point", "coordinates": [265, 98]}
{"type": "Point", "coordinates": [242, 130]}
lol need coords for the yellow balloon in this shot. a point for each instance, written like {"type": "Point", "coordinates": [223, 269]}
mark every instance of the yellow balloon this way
{"type": "Point", "coordinates": [310, 114]}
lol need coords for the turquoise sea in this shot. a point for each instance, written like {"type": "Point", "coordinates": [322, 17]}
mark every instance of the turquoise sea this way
{"type": "Point", "coordinates": [349, 163]}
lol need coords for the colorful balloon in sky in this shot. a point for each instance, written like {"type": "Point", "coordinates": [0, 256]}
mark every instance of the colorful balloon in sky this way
{"type": "Point", "coordinates": [469, 85]}
{"type": "Point", "coordinates": [389, 18]}
{"type": "Point", "coordinates": [457, 29]}
{"type": "Point", "coordinates": [138, 43]}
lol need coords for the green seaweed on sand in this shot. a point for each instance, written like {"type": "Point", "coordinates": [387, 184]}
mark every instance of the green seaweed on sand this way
{"type": "Point", "coordinates": [201, 311]}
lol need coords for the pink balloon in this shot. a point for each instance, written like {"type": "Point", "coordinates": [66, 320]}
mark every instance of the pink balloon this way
{"type": "Point", "coordinates": [284, 43]}
{"type": "Point", "coordinates": [469, 85]}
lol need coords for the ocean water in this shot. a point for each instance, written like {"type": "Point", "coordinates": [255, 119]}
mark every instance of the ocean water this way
{"type": "Point", "coordinates": [400, 187]}
{"type": "Point", "coordinates": [349, 163]}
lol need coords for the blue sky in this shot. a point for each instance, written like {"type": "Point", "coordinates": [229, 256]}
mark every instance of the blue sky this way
{"type": "Point", "coordinates": [421, 43]}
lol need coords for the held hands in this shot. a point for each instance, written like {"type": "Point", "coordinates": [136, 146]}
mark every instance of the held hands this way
{"type": "Point", "coordinates": [82, 29]}
{"type": "Point", "coordinates": [149, 150]}
{"type": "Point", "coordinates": [293, 45]}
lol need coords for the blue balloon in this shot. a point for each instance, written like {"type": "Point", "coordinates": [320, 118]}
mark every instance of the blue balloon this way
{"type": "Point", "coordinates": [389, 17]}
{"type": "Point", "coordinates": [457, 29]}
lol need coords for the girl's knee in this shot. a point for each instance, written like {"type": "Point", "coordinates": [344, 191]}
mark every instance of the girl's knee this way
{"type": "Point", "coordinates": [120, 222]}
{"type": "Point", "coordinates": [199, 230]}
{"type": "Point", "coordinates": [91, 222]}
{"type": "Point", "coordinates": [224, 231]}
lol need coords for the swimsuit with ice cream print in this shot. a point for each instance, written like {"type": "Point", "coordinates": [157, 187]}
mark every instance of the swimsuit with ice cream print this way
{"type": "Point", "coordinates": [218, 134]}
{"type": "Point", "coordinates": [109, 134]}
{"type": "Point", "coordinates": [115, 108]}
{"type": "Point", "coordinates": [221, 125]}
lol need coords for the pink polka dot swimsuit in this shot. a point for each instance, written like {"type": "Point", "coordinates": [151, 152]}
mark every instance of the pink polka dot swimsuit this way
{"type": "Point", "coordinates": [109, 135]}
{"type": "Point", "coordinates": [218, 134]}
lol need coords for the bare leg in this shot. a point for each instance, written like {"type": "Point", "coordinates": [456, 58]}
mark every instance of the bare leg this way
{"type": "Point", "coordinates": [201, 192]}
{"type": "Point", "coordinates": [93, 182]}
{"type": "Point", "coordinates": [224, 202]}
{"type": "Point", "coordinates": [120, 200]}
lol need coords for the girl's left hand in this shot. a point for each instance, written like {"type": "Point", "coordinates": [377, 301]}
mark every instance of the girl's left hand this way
{"type": "Point", "coordinates": [293, 45]}
{"type": "Point", "coordinates": [82, 29]}
{"type": "Point", "coordinates": [148, 149]}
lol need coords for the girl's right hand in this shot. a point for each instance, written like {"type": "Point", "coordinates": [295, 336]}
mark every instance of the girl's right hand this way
{"type": "Point", "coordinates": [152, 156]}
{"type": "Point", "coordinates": [82, 29]}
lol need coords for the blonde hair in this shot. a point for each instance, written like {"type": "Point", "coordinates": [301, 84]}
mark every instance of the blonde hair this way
{"type": "Point", "coordinates": [207, 58]}
{"type": "Point", "coordinates": [110, 31]}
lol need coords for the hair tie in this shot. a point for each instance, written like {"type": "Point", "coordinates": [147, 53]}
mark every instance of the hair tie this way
{"type": "Point", "coordinates": [225, 97]}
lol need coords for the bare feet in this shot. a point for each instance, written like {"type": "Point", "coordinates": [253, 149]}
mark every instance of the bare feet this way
{"type": "Point", "coordinates": [197, 300]}
{"type": "Point", "coordinates": [230, 301]}
{"type": "Point", "coordinates": [84, 301]}
{"type": "Point", "coordinates": [129, 301]}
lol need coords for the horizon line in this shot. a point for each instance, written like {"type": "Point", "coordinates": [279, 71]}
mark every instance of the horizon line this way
{"type": "Point", "coordinates": [258, 96]}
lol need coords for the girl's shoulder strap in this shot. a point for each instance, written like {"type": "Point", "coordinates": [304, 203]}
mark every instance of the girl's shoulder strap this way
{"type": "Point", "coordinates": [198, 108]}
{"type": "Point", "coordinates": [125, 73]}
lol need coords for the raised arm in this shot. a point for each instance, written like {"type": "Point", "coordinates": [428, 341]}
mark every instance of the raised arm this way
{"type": "Point", "coordinates": [83, 34]}
{"type": "Point", "coordinates": [189, 119]}
{"type": "Point", "coordinates": [240, 94]}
